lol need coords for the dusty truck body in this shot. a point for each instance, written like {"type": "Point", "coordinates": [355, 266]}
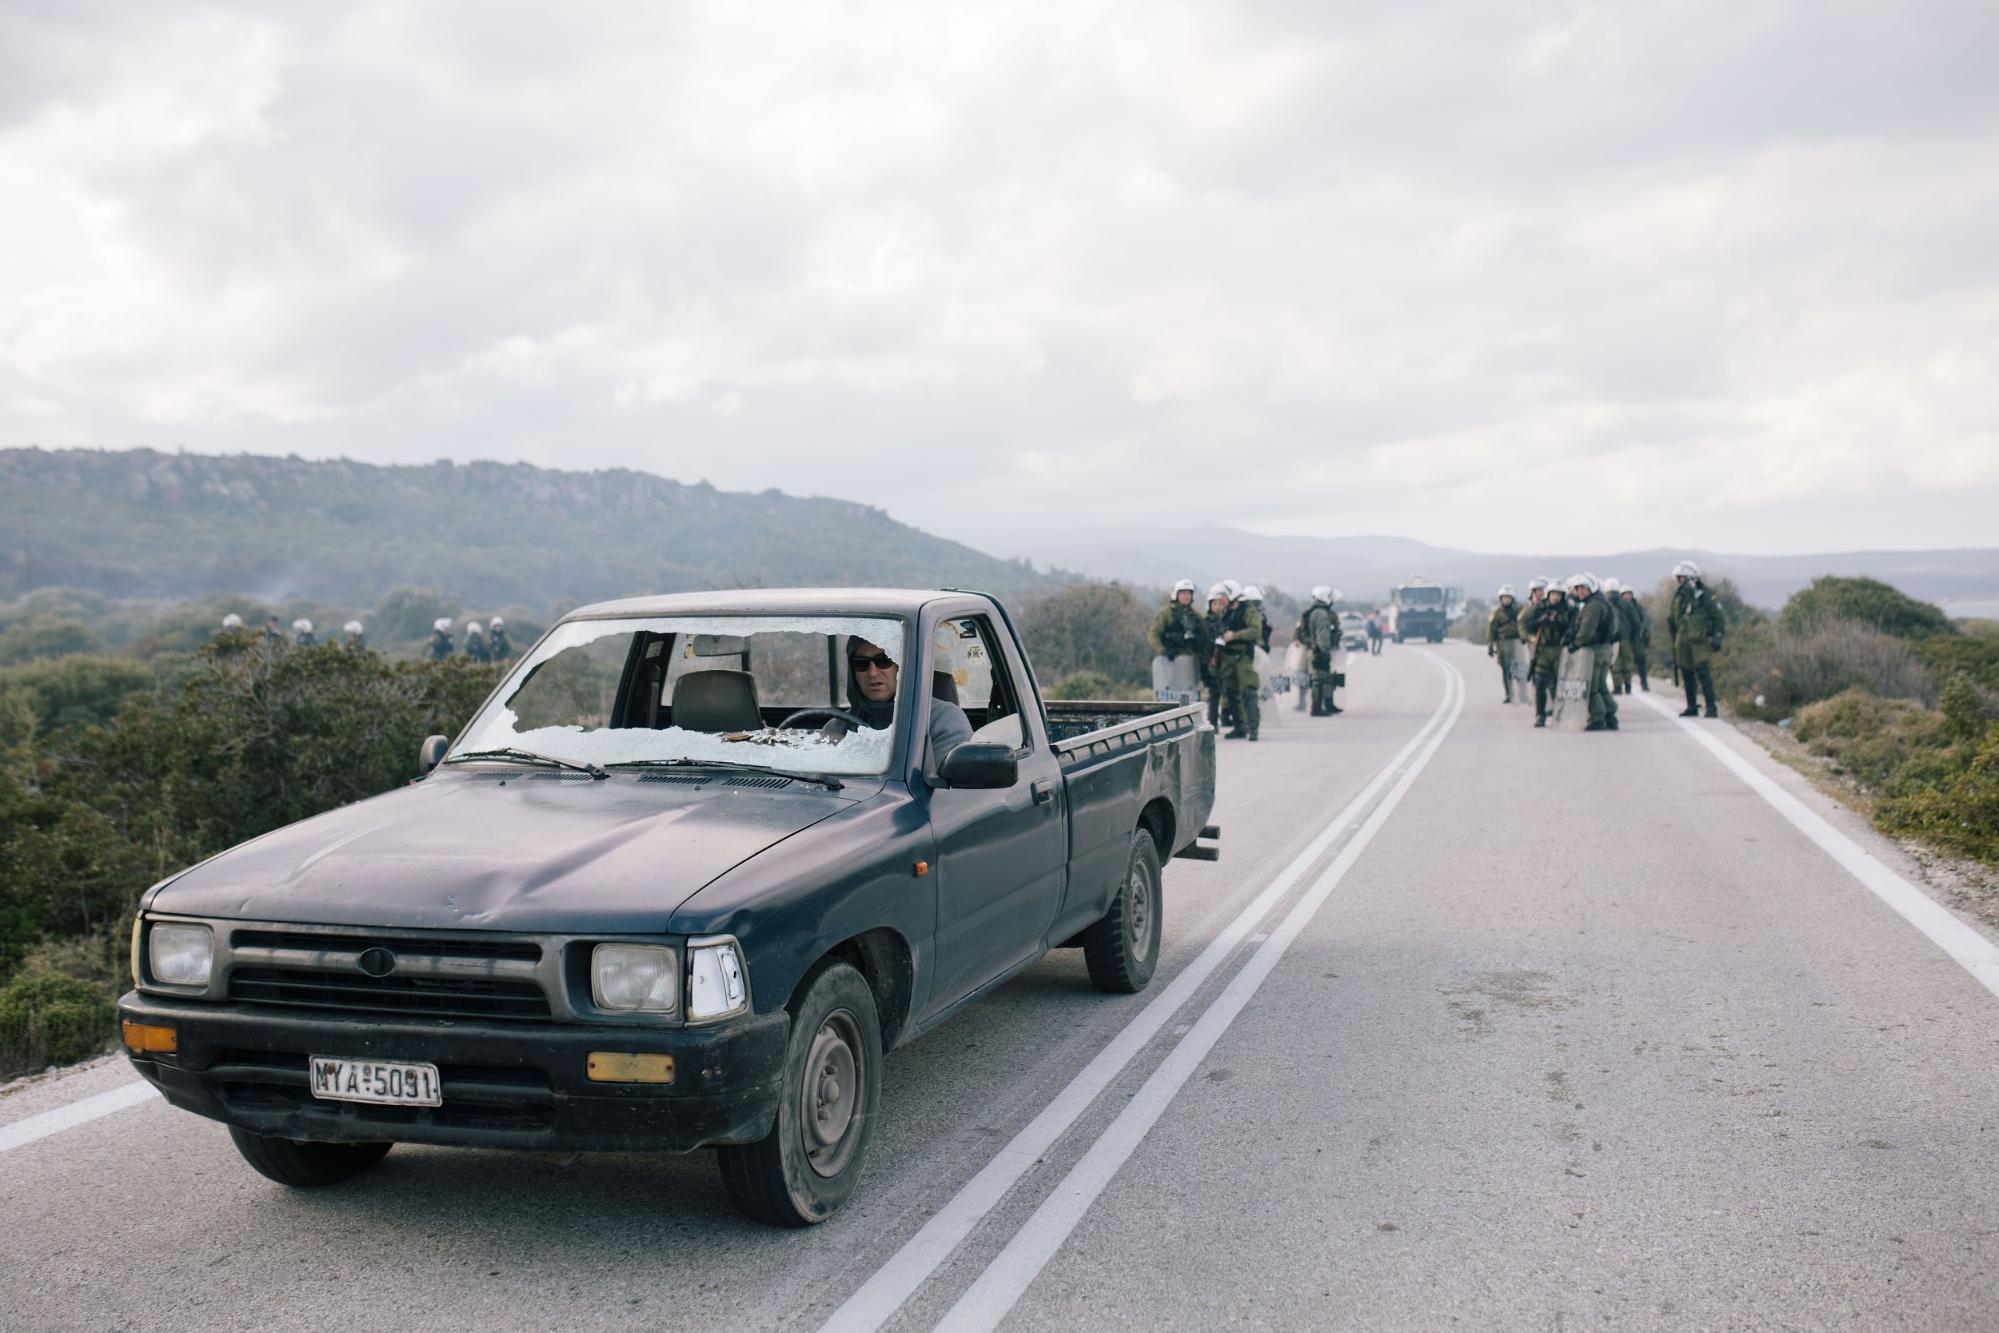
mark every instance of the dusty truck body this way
{"type": "Point", "coordinates": [679, 884]}
{"type": "Point", "coordinates": [1420, 609]}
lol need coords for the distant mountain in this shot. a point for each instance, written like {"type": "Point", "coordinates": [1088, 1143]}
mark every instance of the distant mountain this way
{"type": "Point", "coordinates": [1366, 567]}
{"type": "Point", "coordinates": [147, 524]}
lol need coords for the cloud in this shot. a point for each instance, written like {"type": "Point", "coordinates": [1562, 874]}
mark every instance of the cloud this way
{"type": "Point", "coordinates": [1615, 275]}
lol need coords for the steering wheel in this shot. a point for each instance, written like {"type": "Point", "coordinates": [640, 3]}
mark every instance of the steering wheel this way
{"type": "Point", "coordinates": [853, 722]}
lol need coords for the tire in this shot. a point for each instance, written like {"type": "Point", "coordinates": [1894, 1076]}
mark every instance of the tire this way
{"type": "Point", "coordinates": [1398, 638]}
{"type": "Point", "coordinates": [806, 1167]}
{"type": "Point", "coordinates": [304, 1165]}
{"type": "Point", "coordinates": [1122, 948]}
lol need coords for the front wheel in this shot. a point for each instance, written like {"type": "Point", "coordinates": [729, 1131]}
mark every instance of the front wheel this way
{"type": "Point", "coordinates": [1122, 947]}
{"type": "Point", "coordinates": [806, 1167]}
{"type": "Point", "coordinates": [304, 1165]}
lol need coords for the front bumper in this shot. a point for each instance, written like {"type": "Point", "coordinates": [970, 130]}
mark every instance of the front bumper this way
{"type": "Point", "coordinates": [505, 1085]}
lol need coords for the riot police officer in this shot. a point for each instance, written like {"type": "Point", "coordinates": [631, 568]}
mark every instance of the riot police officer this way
{"type": "Point", "coordinates": [1547, 622]}
{"type": "Point", "coordinates": [1176, 631]}
{"type": "Point", "coordinates": [1241, 636]}
{"type": "Point", "coordinates": [496, 635]}
{"type": "Point", "coordinates": [440, 638]}
{"type": "Point", "coordinates": [1695, 625]}
{"type": "Point", "coordinates": [1321, 635]}
{"type": "Point", "coordinates": [1502, 635]}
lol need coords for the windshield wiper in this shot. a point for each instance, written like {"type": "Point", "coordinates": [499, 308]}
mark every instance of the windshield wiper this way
{"type": "Point", "coordinates": [731, 765]}
{"type": "Point", "coordinates": [513, 754]}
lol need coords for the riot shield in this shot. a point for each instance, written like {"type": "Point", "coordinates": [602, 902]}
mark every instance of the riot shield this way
{"type": "Point", "coordinates": [1177, 680]}
{"type": "Point", "coordinates": [1569, 709]}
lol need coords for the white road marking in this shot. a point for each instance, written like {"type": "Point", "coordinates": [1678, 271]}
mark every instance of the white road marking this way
{"type": "Point", "coordinates": [35, 1127]}
{"type": "Point", "coordinates": [878, 1298]}
{"type": "Point", "coordinates": [1966, 947]}
{"type": "Point", "coordinates": [993, 1295]}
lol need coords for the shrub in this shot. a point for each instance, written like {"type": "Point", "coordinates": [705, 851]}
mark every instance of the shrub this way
{"type": "Point", "coordinates": [1946, 655]}
{"type": "Point", "coordinates": [42, 636]}
{"type": "Point", "coordinates": [1872, 739]}
{"type": "Point", "coordinates": [68, 692]}
{"type": "Point", "coordinates": [50, 1019]}
{"type": "Point", "coordinates": [1083, 685]}
{"type": "Point", "coordinates": [1870, 602]}
{"type": "Point", "coordinates": [1095, 627]}
{"type": "Point", "coordinates": [1959, 808]}
{"type": "Point", "coordinates": [1790, 670]}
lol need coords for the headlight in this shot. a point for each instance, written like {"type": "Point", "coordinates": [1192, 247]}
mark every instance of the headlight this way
{"type": "Point", "coordinates": [718, 983]}
{"type": "Point", "coordinates": [638, 978]}
{"type": "Point", "coordinates": [180, 954]}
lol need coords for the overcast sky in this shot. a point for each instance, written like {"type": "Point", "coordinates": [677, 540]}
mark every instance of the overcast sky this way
{"type": "Point", "coordinates": [1490, 274]}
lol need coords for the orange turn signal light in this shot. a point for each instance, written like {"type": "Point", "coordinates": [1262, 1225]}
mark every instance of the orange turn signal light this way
{"type": "Point", "coordinates": [150, 1039]}
{"type": "Point", "coordinates": [619, 1067]}
{"type": "Point", "coordinates": [921, 868]}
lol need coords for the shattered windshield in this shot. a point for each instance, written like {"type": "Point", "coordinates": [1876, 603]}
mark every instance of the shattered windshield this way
{"type": "Point", "coordinates": [702, 689]}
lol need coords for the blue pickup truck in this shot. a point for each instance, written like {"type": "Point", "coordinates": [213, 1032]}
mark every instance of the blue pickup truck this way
{"type": "Point", "coordinates": [695, 865]}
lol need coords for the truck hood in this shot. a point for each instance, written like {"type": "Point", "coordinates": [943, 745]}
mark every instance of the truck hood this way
{"type": "Point", "coordinates": [510, 851]}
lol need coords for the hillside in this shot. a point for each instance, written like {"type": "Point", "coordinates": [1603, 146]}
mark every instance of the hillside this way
{"type": "Point", "coordinates": [1365, 567]}
{"type": "Point", "coordinates": [147, 524]}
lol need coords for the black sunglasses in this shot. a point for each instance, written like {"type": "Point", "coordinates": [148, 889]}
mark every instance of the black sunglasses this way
{"type": "Point", "coordinates": [881, 661]}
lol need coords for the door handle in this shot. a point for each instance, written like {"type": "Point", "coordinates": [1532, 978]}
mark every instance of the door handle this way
{"type": "Point", "coordinates": [1044, 791]}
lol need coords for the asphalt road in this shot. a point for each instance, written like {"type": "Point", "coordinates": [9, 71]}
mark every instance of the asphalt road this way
{"type": "Point", "coordinates": [1472, 1026]}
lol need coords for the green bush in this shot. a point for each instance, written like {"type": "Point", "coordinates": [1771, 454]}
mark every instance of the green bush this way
{"type": "Point", "coordinates": [1789, 670]}
{"type": "Point", "coordinates": [258, 736]}
{"type": "Point", "coordinates": [1946, 655]}
{"type": "Point", "coordinates": [50, 1019]}
{"type": "Point", "coordinates": [1085, 685]}
{"type": "Point", "coordinates": [1959, 808]}
{"type": "Point", "coordinates": [69, 693]}
{"type": "Point", "coordinates": [1870, 602]}
{"type": "Point", "coordinates": [42, 636]}
{"type": "Point", "coordinates": [1869, 738]}
{"type": "Point", "coordinates": [1093, 627]}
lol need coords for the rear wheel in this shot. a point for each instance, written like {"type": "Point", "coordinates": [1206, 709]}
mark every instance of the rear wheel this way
{"type": "Point", "coordinates": [1122, 948]}
{"type": "Point", "coordinates": [806, 1167]}
{"type": "Point", "coordinates": [304, 1165]}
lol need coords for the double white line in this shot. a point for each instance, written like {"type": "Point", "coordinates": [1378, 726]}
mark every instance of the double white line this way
{"type": "Point", "coordinates": [996, 1290]}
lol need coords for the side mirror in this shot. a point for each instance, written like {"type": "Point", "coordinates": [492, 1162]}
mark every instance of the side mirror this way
{"type": "Point", "coordinates": [431, 752]}
{"type": "Point", "coordinates": [976, 765]}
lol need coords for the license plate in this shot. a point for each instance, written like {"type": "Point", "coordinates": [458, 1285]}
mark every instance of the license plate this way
{"type": "Point", "coordinates": [379, 1081]}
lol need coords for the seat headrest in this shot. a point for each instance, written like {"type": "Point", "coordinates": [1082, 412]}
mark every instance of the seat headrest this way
{"type": "Point", "coordinates": [719, 700]}
{"type": "Point", "coordinates": [943, 685]}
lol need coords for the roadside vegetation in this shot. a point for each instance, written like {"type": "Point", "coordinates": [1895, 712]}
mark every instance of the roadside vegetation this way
{"type": "Point", "coordinates": [1901, 701]}
{"type": "Point", "coordinates": [118, 772]}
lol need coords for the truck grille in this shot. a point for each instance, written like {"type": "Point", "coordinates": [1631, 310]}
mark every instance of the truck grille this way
{"type": "Point", "coordinates": [462, 978]}
{"type": "Point", "coordinates": [432, 997]}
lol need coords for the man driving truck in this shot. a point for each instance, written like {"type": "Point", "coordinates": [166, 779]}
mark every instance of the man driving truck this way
{"type": "Point", "coordinates": [871, 686]}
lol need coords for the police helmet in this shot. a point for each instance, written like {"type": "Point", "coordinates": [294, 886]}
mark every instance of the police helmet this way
{"type": "Point", "coordinates": [474, 627]}
{"type": "Point", "coordinates": [442, 624]}
{"type": "Point", "coordinates": [1335, 595]}
{"type": "Point", "coordinates": [1584, 581]}
{"type": "Point", "coordinates": [1220, 592]}
{"type": "Point", "coordinates": [1536, 583]}
{"type": "Point", "coordinates": [1184, 585]}
{"type": "Point", "coordinates": [498, 621]}
{"type": "Point", "coordinates": [302, 625]}
{"type": "Point", "coordinates": [1611, 584]}
{"type": "Point", "coordinates": [351, 627]}
{"type": "Point", "coordinates": [1686, 569]}
{"type": "Point", "coordinates": [1322, 593]}
{"type": "Point", "coordinates": [1252, 593]}
{"type": "Point", "coordinates": [1506, 590]}
{"type": "Point", "coordinates": [1233, 588]}
{"type": "Point", "coordinates": [232, 621]}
